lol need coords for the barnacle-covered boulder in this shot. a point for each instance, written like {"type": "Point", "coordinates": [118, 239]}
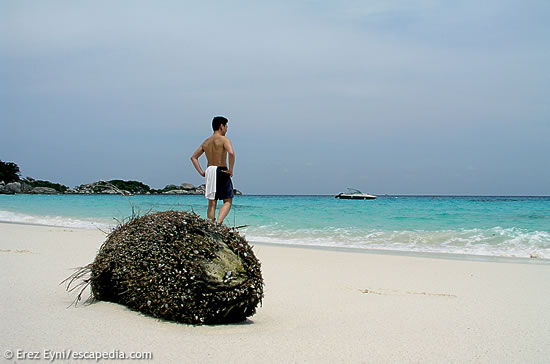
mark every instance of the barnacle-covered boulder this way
{"type": "Point", "coordinates": [177, 266]}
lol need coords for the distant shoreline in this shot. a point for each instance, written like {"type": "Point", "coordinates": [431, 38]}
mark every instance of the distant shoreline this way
{"type": "Point", "coordinates": [111, 187]}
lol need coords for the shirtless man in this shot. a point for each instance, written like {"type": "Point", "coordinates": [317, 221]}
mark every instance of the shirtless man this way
{"type": "Point", "coordinates": [217, 147]}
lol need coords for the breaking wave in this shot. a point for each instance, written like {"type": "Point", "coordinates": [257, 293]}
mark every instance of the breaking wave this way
{"type": "Point", "coordinates": [497, 241]}
{"type": "Point", "coordinates": [59, 221]}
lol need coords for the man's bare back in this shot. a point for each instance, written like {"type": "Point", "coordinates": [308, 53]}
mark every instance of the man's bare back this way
{"type": "Point", "coordinates": [214, 148]}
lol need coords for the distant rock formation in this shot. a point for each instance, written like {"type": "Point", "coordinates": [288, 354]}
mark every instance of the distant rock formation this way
{"type": "Point", "coordinates": [31, 186]}
{"type": "Point", "coordinates": [14, 187]}
{"type": "Point", "coordinates": [44, 190]}
{"type": "Point", "coordinates": [112, 187]}
{"type": "Point", "coordinates": [184, 189]}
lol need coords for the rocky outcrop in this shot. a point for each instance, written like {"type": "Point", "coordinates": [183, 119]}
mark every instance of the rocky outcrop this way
{"type": "Point", "coordinates": [44, 190]}
{"type": "Point", "coordinates": [32, 186]}
{"type": "Point", "coordinates": [14, 187]}
{"type": "Point", "coordinates": [99, 187]}
{"type": "Point", "coordinates": [187, 187]}
{"type": "Point", "coordinates": [184, 189]}
{"type": "Point", "coordinates": [102, 187]}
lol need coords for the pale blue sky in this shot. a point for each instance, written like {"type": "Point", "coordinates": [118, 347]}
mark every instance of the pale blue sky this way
{"type": "Point", "coordinates": [397, 97]}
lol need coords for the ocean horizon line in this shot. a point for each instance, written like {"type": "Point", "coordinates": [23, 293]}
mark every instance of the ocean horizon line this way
{"type": "Point", "coordinates": [398, 195]}
{"type": "Point", "coordinates": [299, 194]}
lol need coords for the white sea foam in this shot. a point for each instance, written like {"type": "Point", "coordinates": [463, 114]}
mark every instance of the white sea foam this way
{"type": "Point", "coordinates": [60, 221]}
{"type": "Point", "coordinates": [511, 242]}
{"type": "Point", "coordinates": [497, 241]}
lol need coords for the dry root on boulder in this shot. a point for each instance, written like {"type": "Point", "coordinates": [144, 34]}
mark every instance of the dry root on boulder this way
{"type": "Point", "coordinates": [177, 266]}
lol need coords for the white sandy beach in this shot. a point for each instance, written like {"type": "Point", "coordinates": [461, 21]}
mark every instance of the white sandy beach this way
{"type": "Point", "coordinates": [319, 306]}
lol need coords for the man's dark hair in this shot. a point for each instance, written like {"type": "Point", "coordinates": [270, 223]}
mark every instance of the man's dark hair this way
{"type": "Point", "coordinates": [217, 122]}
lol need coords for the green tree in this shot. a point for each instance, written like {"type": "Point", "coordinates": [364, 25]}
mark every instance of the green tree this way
{"type": "Point", "coordinates": [9, 172]}
{"type": "Point", "coordinates": [130, 186]}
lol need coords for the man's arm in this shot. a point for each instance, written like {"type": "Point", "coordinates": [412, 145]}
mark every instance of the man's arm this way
{"type": "Point", "coordinates": [195, 159]}
{"type": "Point", "coordinates": [229, 148]}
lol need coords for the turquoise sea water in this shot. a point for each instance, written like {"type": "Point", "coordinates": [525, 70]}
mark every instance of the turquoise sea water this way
{"type": "Point", "coordinates": [493, 226]}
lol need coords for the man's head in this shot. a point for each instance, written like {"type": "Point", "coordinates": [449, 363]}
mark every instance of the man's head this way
{"type": "Point", "coordinates": [218, 121]}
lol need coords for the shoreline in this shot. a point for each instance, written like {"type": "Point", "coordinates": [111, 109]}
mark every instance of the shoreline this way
{"type": "Point", "coordinates": [320, 305]}
{"type": "Point", "coordinates": [415, 254]}
{"type": "Point", "coordinates": [434, 255]}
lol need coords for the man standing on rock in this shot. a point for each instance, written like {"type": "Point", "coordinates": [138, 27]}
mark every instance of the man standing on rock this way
{"type": "Point", "coordinates": [218, 176]}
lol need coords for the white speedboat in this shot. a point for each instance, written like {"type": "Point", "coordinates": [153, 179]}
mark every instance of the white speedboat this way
{"type": "Point", "coordinates": [354, 194]}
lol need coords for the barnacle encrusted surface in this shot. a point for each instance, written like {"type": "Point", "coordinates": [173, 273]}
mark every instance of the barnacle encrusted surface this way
{"type": "Point", "coordinates": [177, 266]}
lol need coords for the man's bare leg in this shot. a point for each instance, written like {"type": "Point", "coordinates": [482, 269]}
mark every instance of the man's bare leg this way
{"type": "Point", "coordinates": [211, 212]}
{"type": "Point", "coordinates": [224, 210]}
